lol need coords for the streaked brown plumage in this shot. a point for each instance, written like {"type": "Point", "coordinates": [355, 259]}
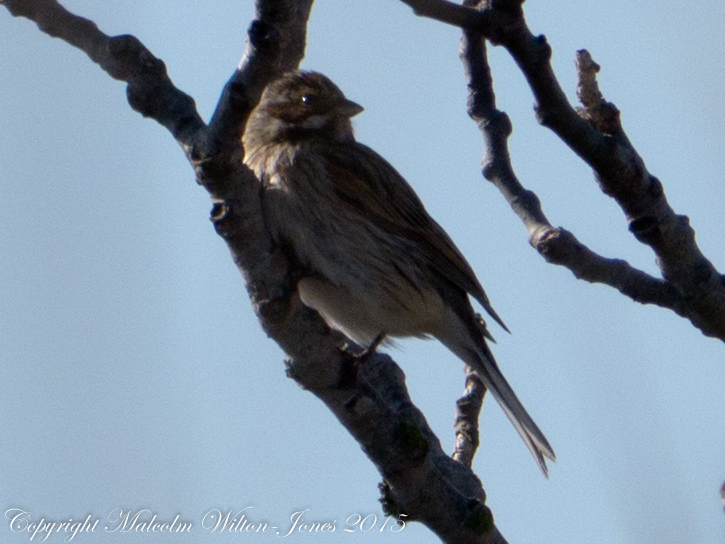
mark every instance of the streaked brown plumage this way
{"type": "Point", "coordinates": [375, 262]}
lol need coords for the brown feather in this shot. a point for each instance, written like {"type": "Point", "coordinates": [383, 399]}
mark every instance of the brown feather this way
{"type": "Point", "coordinates": [357, 172]}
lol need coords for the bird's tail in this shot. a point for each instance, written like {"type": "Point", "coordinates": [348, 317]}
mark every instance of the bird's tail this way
{"type": "Point", "coordinates": [483, 362]}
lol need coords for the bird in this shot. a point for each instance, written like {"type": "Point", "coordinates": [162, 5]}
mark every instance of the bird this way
{"type": "Point", "coordinates": [374, 264]}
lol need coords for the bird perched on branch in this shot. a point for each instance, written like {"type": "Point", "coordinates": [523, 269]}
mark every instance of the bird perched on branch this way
{"type": "Point", "coordinates": [376, 264]}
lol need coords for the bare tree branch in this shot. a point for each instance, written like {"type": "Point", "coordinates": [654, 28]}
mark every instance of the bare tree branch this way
{"type": "Point", "coordinates": [651, 219]}
{"type": "Point", "coordinates": [422, 483]}
{"type": "Point", "coordinates": [448, 12]}
{"type": "Point", "coordinates": [276, 45]}
{"type": "Point", "coordinates": [556, 245]}
{"type": "Point", "coordinates": [150, 91]}
{"type": "Point", "coordinates": [468, 408]}
{"type": "Point", "coordinates": [371, 400]}
{"type": "Point", "coordinates": [691, 286]}
{"type": "Point", "coordinates": [600, 140]}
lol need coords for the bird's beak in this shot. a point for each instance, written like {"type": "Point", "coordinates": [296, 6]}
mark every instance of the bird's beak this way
{"type": "Point", "coordinates": [348, 108]}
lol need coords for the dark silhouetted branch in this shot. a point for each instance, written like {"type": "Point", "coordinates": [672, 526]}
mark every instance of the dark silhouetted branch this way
{"type": "Point", "coordinates": [556, 245]}
{"type": "Point", "coordinates": [422, 483]}
{"type": "Point", "coordinates": [468, 409]}
{"type": "Point", "coordinates": [690, 284]}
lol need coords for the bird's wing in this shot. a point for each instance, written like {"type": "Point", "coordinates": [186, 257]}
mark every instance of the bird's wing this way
{"type": "Point", "coordinates": [372, 188]}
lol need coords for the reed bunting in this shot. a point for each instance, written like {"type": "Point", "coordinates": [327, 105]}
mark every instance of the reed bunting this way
{"type": "Point", "coordinates": [375, 264]}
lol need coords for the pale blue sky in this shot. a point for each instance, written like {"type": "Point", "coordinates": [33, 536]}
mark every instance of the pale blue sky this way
{"type": "Point", "coordinates": [133, 372]}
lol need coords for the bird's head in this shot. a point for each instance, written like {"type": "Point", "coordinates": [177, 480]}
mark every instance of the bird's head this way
{"type": "Point", "coordinates": [301, 106]}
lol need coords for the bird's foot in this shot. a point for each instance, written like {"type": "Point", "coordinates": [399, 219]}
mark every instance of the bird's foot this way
{"type": "Point", "coordinates": [371, 349]}
{"type": "Point", "coordinates": [353, 360]}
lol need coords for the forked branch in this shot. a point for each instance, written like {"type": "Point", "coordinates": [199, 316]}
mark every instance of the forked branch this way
{"type": "Point", "coordinates": [370, 400]}
{"type": "Point", "coordinates": [690, 285]}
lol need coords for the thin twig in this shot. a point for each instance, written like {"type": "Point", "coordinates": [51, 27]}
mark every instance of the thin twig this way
{"type": "Point", "coordinates": [691, 286]}
{"type": "Point", "coordinates": [556, 245]}
{"type": "Point", "coordinates": [468, 409]}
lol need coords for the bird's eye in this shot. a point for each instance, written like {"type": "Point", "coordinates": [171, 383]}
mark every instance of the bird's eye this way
{"type": "Point", "coordinates": [308, 99]}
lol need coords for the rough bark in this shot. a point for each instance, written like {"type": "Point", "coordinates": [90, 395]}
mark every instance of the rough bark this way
{"type": "Point", "coordinates": [370, 399]}
{"type": "Point", "coordinates": [421, 482]}
{"type": "Point", "coordinates": [690, 285]}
